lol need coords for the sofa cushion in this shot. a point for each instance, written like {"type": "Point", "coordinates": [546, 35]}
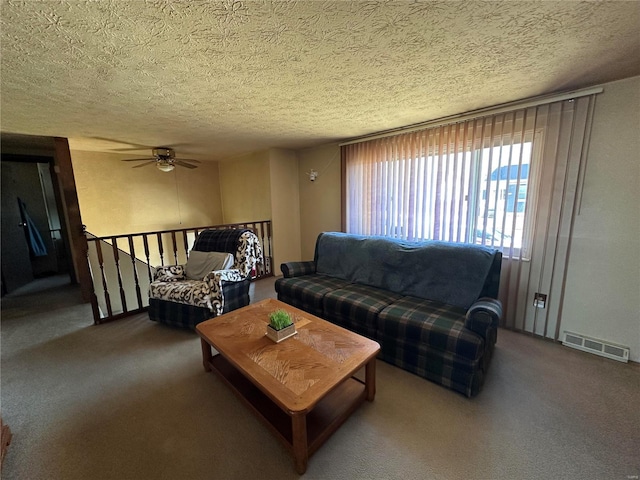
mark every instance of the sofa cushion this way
{"type": "Point", "coordinates": [436, 325]}
{"type": "Point", "coordinates": [308, 291]}
{"type": "Point", "coordinates": [356, 307]}
{"type": "Point", "coordinates": [190, 292]}
{"type": "Point", "coordinates": [451, 273]}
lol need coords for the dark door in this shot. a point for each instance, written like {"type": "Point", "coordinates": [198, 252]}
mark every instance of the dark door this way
{"type": "Point", "coordinates": [16, 262]}
{"type": "Point", "coordinates": [23, 189]}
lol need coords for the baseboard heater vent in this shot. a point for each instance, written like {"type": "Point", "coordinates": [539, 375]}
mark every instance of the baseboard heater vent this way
{"type": "Point", "coordinates": [599, 347]}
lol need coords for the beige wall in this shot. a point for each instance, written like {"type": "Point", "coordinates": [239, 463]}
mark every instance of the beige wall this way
{"type": "Point", "coordinates": [319, 200]}
{"type": "Point", "coordinates": [264, 186]}
{"type": "Point", "coordinates": [602, 297]}
{"type": "Point", "coordinates": [245, 188]}
{"type": "Point", "coordinates": [115, 198]}
{"type": "Point", "coordinates": [285, 207]}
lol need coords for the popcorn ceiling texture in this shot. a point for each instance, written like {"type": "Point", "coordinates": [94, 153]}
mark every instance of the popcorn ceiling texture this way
{"type": "Point", "coordinates": [222, 78]}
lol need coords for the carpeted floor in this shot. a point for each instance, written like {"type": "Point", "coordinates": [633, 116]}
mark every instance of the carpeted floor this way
{"type": "Point", "coordinates": [130, 400]}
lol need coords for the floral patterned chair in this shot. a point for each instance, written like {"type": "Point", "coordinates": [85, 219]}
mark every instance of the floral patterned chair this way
{"type": "Point", "coordinates": [185, 295]}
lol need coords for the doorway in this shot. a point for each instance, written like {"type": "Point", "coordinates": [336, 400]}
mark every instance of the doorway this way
{"type": "Point", "coordinates": [34, 245]}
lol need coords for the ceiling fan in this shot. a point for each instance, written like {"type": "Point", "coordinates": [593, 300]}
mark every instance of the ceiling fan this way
{"type": "Point", "coordinates": [165, 160]}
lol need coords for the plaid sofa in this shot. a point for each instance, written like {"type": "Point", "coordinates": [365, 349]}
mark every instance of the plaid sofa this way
{"type": "Point", "coordinates": [179, 302]}
{"type": "Point", "coordinates": [431, 305]}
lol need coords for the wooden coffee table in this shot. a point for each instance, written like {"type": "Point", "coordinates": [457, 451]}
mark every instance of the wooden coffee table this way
{"type": "Point", "coordinates": [303, 388]}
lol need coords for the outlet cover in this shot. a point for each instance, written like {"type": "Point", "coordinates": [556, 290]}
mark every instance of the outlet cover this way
{"type": "Point", "coordinates": [540, 300]}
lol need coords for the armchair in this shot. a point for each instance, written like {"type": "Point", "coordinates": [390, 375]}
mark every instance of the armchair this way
{"type": "Point", "coordinates": [210, 284]}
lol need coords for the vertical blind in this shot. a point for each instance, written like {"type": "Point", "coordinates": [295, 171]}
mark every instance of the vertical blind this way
{"type": "Point", "coordinates": [507, 180]}
{"type": "Point", "coordinates": [464, 182]}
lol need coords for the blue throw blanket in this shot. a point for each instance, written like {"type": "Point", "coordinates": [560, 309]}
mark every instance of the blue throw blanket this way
{"type": "Point", "coordinates": [451, 273]}
{"type": "Point", "coordinates": [34, 239]}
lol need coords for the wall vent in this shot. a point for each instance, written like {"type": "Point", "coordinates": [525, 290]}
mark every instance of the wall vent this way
{"type": "Point", "coordinates": [599, 347]}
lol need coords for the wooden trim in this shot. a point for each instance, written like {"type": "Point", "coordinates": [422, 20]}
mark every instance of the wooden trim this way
{"type": "Point", "coordinates": [343, 188]}
{"type": "Point", "coordinates": [195, 230]}
{"type": "Point", "coordinates": [71, 210]}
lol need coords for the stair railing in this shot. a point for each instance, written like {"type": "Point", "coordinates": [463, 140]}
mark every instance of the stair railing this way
{"type": "Point", "coordinates": [122, 266]}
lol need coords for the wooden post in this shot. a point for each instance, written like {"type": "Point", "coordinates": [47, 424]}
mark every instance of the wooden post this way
{"type": "Point", "coordinates": [105, 286]}
{"type": "Point", "coordinates": [146, 252]}
{"type": "Point", "coordinates": [132, 253]}
{"type": "Point", "coordinates": [299, 440]}
{"type": "Point", "coordinates": [71, 211]}
{"type": "Point", "coordinates": [116, 259]}
{"type": "Point", "coordinates": [206, 355]}
{"type": "Point", "coordinates": [175, 247]}
{"type": "Point", "coordinates": [160, 247]}
{"type": "Point", "coordinates": [370, 379]}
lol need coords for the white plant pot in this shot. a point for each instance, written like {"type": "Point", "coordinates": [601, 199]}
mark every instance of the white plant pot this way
{"type": "Point", "coordinates": [280, 335]}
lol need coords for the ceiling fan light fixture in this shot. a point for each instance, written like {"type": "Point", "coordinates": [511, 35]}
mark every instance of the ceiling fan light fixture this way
{"type": "Point", "coordinates": [164, 159]}
{"type": "Point", "coordinates": [165, 166]}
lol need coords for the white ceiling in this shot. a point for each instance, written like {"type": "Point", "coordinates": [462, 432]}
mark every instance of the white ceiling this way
{"type": "Point", "coordinates": [216, 79]}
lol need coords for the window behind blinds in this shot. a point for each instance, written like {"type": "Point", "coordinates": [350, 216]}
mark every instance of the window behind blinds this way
{"type": "Point", "coordinates": [467, 182]}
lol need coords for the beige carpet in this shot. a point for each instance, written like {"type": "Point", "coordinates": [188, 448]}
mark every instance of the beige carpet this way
{"type": "Point", "coordinates": [130, 400]}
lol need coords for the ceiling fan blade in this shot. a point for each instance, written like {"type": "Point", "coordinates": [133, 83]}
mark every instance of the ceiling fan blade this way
{"type": "Point", "coordinates": [137, 159]}
{"type": "Point", "coordinates": [130, 149]}
{"type": "Point", "coordinates": [172, 146]}
{"type": "Point", "coordinates": [112, 140]}
{"type": "Point", "coordinates": [114, 145]}
{"type": "Point", "coordinates": [143, 164]}
{"type": "Point", "coordinates": [184, 164]}
{"type": "Point", "coordinates": [189, 160]}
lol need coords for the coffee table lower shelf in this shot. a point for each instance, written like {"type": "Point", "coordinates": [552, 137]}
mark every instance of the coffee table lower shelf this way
{"type": "Point", "coordinates": [324, 419]}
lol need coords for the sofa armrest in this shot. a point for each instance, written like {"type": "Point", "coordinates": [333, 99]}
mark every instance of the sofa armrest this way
{"type": "Point", "coordinates": [214, 280]}
{"type": "Point", "coordinates": [297, 269]}
{"type": "Point", "coordinates": [483, 315]}
{"type": "Point", "coordinates": [169, 273]}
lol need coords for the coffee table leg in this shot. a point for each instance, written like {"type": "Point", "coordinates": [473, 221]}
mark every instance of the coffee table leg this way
{"type": "Point", "coordinates": [370, 379]}
{"type": "Point", "coordinates": [206, 355]}
{"type": "Point", "coordinates": [300, 450]}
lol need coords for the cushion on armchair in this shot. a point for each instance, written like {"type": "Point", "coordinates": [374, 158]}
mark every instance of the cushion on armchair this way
{"type": "Point", "coordinates": [189, 292]}
{"type": "Point", "coordinates": [199, 264]}
{"type": "Point", "coordinates": [206, 293]}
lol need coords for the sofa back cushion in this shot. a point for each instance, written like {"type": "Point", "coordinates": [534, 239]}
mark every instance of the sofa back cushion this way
{"type": "Point", "coordinates": [451, 273]}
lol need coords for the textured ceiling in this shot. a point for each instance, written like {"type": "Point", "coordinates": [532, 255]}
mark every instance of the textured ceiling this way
{"type": "Point", "coordinates": [217, 79]}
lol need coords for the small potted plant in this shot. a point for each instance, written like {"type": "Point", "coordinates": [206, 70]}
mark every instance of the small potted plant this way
{"type": "Point", "coordinates": [280, 326]}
